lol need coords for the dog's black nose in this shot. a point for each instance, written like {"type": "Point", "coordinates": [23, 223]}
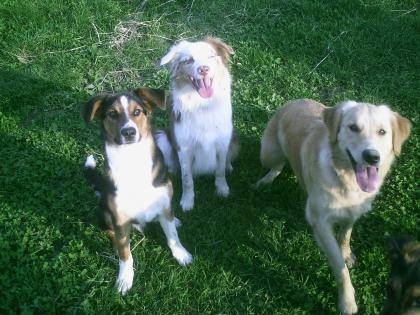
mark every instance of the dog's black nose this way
{"type": "Point", "coordinates": [371, 156]}
{"type": "Point", "coordinates": [128, 132]}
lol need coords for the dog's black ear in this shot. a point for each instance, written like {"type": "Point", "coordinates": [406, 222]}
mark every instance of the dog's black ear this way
{"type": "Point", "coordinates": [222, 49]}
{"type": "Point", "coordinates": [152, 98]}
{"type": "Point", "coordinates": [404, 248]}
{"type": "Point", "coordinates": [401, 128]}
{"type": "Point", "coordinates": [91, 107]}
{"type": "Point", "coordinates": [332, 118]}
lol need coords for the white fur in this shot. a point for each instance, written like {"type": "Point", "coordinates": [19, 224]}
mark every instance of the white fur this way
{"type": "Point", "coordinates": [90, 162]}
{"type": "Point", "coordinates": [131, 169]}
{"type": "Point", "coordinates": [204, 131]}
{"type": "Point", "coordinates": [129, 122]}
{"type": "Point", "coordinates": [125, 275]}
{"type": "Point", "coordinates": [298, 133]}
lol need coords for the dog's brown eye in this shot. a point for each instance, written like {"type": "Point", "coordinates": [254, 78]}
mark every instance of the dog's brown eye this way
{"type": "Point", "coordinates": [136, 112]}
{"type": "Point", "coordinates": [354, 128]}
{"type": "Point", "coordinates": [113, 114]}
{"type": "Point", "coordinates": [381, 132]}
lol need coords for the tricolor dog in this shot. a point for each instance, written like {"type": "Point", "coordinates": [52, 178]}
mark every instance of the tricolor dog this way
{"type": "Point", "coordinates": [200, 139]}
{"type": "Point", "coordinates": [404, 280]}
{"type": "Point", "coordinates": [340, 155]}
{"type": "Point", "coordinates": [136, 188]}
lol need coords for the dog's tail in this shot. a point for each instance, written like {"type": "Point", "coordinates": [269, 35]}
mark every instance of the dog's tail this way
{"type": "Point", "coordinates": [168, 151]}
{"type": "Point", "coordinates": [99, 182]}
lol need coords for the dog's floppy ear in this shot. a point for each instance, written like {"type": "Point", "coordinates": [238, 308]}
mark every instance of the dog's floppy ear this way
{"type": "Point", "coordinates": [91, 107]}
{"type": "Point", "coordinates": [332, 118]}
{"type": "Point", "coordinates": [152, 98]}
{"type": "Point", "coordinates": [222, 49]}
{"type": "Point", "coordinates": [173, 52]}
{"type": "Point", "coordinates": [400, 131]}
{"type": "Point", "coordinates": [404, 249]}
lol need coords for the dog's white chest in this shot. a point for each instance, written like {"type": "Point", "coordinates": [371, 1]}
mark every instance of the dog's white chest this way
{"type": "Point", "coordinates": [131, 170]}
{"type": "Point", "coordinates": [202, 130]}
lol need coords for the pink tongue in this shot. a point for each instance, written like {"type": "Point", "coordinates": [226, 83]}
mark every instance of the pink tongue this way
{"type": "Point", "coordinates": [204, 87]}
{"type": "Point", "coordinates": [367, 178]}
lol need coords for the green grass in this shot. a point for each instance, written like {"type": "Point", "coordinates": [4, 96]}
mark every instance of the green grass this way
{"type": "Point", "coordinates": [254, 252]}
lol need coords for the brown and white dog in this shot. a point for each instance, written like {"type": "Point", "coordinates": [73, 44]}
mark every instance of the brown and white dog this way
{"type": "Point", "coordinates": [136, 188]}
{"type": "Point", "coordinates": [200, 139]}
{"type": "Point", "coordinates": [340, 155]}
{"type": "Point", "coordinates": [404, 281]}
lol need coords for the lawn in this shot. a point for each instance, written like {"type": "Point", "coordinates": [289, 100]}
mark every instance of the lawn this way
{"type": "Point", "coordinates": [254, 252]}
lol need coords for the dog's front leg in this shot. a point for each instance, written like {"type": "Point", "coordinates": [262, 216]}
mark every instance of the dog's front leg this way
{"type": "Point", "coordinates": [222, 187]}
{"type": "Point", "coordinates": [121, 241]}
{"type": "Point", "coordinates": [168, 224]}
{"type": "Point", "coordinates": [185, 161]}
{"type": "Point", "coordinates": [327, 242]}
{"type": "Point", "coordinates": [344, 236]}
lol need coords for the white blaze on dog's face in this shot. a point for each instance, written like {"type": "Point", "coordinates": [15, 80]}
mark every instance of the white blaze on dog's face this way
{"type": "Point", "coordinates": [199, 64]}
{"type": "Point", "coordinates": [365, 134]}
{"type": "Point", "coordinates": [125, 121]}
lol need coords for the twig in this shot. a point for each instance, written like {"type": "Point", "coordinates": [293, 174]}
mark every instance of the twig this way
{"type": "Point", "coordinates": [138, 243]}
{"type": "Point", "coordinates": [62, 51]}
{"type": "Point", "coordinates": [142, 5]}
{"type": "Point", "coordinates": [407, 12]}
{"type": "Point", "coordinates": [330, 50]}
{"type": "Point", "coordinates": [319, 63]}
{"type": "Point", "coordinates": [96, 31]}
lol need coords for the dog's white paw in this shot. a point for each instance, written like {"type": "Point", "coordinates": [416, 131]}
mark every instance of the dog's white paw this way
{"type": "Point", "coordinates": [90, 162]}
{"type": "Point", "coordinates": [125, 276]}
{"type": "Point", "coordinates": [347, 304]}
{"type": "Point", "coordinates": [181, 255]}
{"type": "Point", "coordinates": [178, 222]}
{"type": "Point", "coordinates": [222, 188]}
{"type": "Point", "coordinates": [187, 202]}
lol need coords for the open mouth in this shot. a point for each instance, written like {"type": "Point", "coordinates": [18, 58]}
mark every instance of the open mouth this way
{"type": "Point", "coordinates": [203, 86]}
{"type": "Point", "coordinates": [366, 176]}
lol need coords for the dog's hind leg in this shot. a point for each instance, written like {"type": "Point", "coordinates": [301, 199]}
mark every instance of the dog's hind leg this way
{"type": "Point", "coordinates": [168, 223]}
{"type": "Point", "coordinates": [271, 156]}
{"type": "Point", "coordinates": [222, 187]}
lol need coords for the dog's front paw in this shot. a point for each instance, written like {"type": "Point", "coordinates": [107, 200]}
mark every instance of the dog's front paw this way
{"type": "Point", "coordinates": [181, 255]}
{"type": "Point", "coordinates": [125, 276]}
{"type": "Point", "coordinates": [187, 202]}
{"type": "Point", "coordinates": [222, 188]}
{"type": "Point", "coordinates": [350, 259]}
{"type": "Point", "coordinates": [348, 304]}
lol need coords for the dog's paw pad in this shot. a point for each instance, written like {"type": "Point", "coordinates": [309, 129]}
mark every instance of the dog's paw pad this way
{"type": "Point", "coordinates": [90, 162]}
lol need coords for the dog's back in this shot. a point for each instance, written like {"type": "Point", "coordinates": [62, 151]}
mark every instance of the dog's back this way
{"type": "Point", "coordinates": [287, 131]}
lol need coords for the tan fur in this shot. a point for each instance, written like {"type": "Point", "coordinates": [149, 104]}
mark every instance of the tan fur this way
{"type": "Point", "coordinates": [319, 143]}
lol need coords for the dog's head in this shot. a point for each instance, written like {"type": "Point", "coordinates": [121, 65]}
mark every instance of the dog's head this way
{"type": "Point", "coordinates": [369, 136]}
{"type": "Point", "coordinates": [404, 281]}
{"type": "Point", "coordinates": [199, 64]}
{"type": "Point", "coordinates": [124, 117]}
